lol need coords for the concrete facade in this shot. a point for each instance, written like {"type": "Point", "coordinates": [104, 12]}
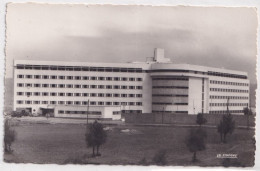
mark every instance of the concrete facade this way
{"type": "Point", "coordinates": [153, 86]}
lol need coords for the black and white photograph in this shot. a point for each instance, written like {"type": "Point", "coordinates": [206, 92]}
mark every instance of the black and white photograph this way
{"type": "Point", "coordinates": [135, 85]}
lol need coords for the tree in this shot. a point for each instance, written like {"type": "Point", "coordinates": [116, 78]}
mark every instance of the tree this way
{"type": "Point", "coordinates": [196, 142]}
{"type": "Point", "coordinates": [95, 137]}
{"type": "Point", "coordinates": [200, 119]}
{"type": "Point", "coordinates": [226, 125]}
{"type": "Point", "coordinates": [9, 137]}
{"type": "Point", "coordinates": [247, 113]}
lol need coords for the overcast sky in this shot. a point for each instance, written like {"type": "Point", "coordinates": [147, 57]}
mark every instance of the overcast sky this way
{"type": "Point", "coordinates": [209, 36]}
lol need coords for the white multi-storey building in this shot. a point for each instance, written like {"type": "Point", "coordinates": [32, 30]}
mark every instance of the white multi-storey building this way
{"type": "Point", "coordinates": [152, 86]}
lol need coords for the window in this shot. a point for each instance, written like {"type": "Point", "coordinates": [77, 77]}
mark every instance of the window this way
{"type": "Point", "coordinates": [109, 86]}
{"type": "Point", "coordinates": [116, 103]}
{"type": "Point", "coordinates": [101, 78]}
{"type": "Point", "coordinates": [53, 102]}
{"type": "Point", "coordinates": [36, 93]}
{"type": "Point", "coordinates": [45, 76]}
{"type": "Point", "coordinates": [108, 78]}
{"type": "Point", "coordinates": [100, 103]}
{"type": "Point", "coordinates": [69, 94]}
{"type": "Point", "coordinates": [45, 93]}
{"type": "Point", "coordinates": [85, 94]}
{"type": "Point", "coordinates": [37, 85]}
{"type": "Point", "coordinates": [61, 77]}
{"type": "Point", "coordinates": [45, 85]}
{"type": "Point", "coordinates": [20, 84]}
{"type": "Point", "coordinates": [124, 79]}
{"type": "Point", "coordinates": [108, 95]}
{"type": "Point", "coordinates": [61, 102]}
{"type": "Point", "coordinates": [68, 102]}
{"type": "Point", "coordinates": [100, 94]}
{"type": "Point", "coordinates": [139, 103]}
{"type": "Point", "coordinates": [61, 94]}
{"type": "Point", "coordinates": [85, 102]}
{"type": "Point", "coordinates": [131, 95]}
{"type": "Point", "coordinates": [60, 111]}
{"type": "Point", "coordinates": [28, 102]}
{"type": "Point", "coordinates": [92, 103]}
{"type": "Point", "coordinates": [77, 78]}
{"type": "Point", "coordinates": [44, 102]}
{"type": "Point", "coordinates": [123, 95]}
{"type": "Point", "coordinates": [85, 86]}
{"type": "Point", "coordinates": [53, 85]}
{"type": "Point", "coordinates": [139, 87]}
{"type": "Point", "coordinates": [116, 79]}
{"type": "Point", "coordinates": [69, 85]}
{"type": "Point", "coordinates": [138, 95]}
{"type": "Point", "coordinates": [77, 86]}
{"type": "Point", "coordinates": [93, 86]}
{"type": "Point", "coordinates": [116, 87]}
{"type": "Point", "coordinates": [131, 79]}
{"type": "Point", "coordinates": [36, 102]}
{"type": "Point", "coordinates": [61, 85]}
{"type": "Point", "coordinates": [28, 85]}
{"type": "Point", "coordinates": [69, 77]}
{"type": "Point", "coordinates": [29, 76]}
{"type": "Point", "coordinates": [77, 94]}
{"type": "Point", "coordinates": [116, 95]}
{"type": "Point", "coordinates": [37, 76]}
{"type": "Point", "coordinates": [101, 86]}
{"type": "Point", "coordinates": [85, 78]}
{"type": "Point", "coordinates": [53, 77]}
{"type": "Point", "coordinates": [123, 87]}
{"type": "Point", "coordinates": [53, 94]}
{"type": "Point", "coordinates": [93, 78]}
{"type": "Point", "coordinates": [19, 93]}
{"type": "Point", "coordinates": [108, 103]}
{"type": "Point", "coordinates": [93, 94]}
{"type": "Point", "coordinates": [20, 76]}
{"type": "Point", "coordinates": [139, 79]}
{"type": "Point", "coordinates": [131, 103]}
{"type": "Point", "coordinates": [28, 94]}
{"type": "Point", "coordinates": [132, 87]}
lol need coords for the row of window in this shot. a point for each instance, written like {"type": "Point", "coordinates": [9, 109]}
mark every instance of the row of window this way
{"type": "Point", "coordinates": [80, 103]}
{"type": "Point", "coordinates": [224, 111]}
{"type": "Point", "coordinates": [77, 94]}
{"type": "Point", "coordinates": [230, 104]}
{"type": "Point", "coordinates": [61, 77]}
{"type": "Point", "coordinates": [78, 68]}
{"type": "Point", "coordinates": [164, 103]}
{"type": "Point", "coordinates": [172, 78]}
{"type": "Point", "coordinates": [161, 111]}
{"type": "Point", "coordinates": [172, 87]}
{"type": "Point", "coordinates": [79, 112]}
{"type": "Point", "coordinates": [228, 83]}
{"type": "Point", "coordinates": [229, 90]}
{"type": "Point", "coordinates": [228, 97]}
{"type": "Point", "coordinates": [79, 86]}
{"type": "Point", "coordinates": [170, 95]}
{"type": "Point", "coordinates": [220, 74]}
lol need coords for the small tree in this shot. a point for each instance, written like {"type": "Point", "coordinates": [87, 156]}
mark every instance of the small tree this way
{"type": "Point", "coordinates": [226, 125]}
{"type": "Point", "coordinates": [200, 119]}
{"type": "Point", "coordinates": [9, 137]}
{"type": "Point", "coordinates": [95, 137]}
{"type": "Point", "coordinates": [196, 142]}
{"type": "Point", "coordinates": [247, 113]}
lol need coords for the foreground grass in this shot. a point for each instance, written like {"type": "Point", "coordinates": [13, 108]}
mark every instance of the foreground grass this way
{"type": "Point", "coordinates": [59, 143]}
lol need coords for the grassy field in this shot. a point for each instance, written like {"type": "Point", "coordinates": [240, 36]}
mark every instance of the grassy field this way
{"type": "Point", "coordinates": [56, 143]}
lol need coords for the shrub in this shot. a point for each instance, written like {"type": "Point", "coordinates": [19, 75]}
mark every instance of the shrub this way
{"type": "Point", "coordinates": [160, 158]}
{"type": "Point", "coordinates": [9, 137]}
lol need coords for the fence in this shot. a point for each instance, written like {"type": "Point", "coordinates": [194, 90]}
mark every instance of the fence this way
{"type": "Point", "coordinates": [173, 118]}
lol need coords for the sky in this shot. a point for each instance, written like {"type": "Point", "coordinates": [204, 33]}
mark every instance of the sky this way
{"type": "Point", "coordinates": [208, 36]}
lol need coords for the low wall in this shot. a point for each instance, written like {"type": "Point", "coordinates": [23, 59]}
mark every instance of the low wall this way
{"type": "Point", "coordinates": [172, 118]}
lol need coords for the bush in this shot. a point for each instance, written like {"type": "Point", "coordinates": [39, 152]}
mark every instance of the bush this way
{"type": "Point", "coordinates": [9, 137]}
{"type": "Point", "coordinates": [160, 158]}
{"type": "Point", "coordinates": [143, 162]}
